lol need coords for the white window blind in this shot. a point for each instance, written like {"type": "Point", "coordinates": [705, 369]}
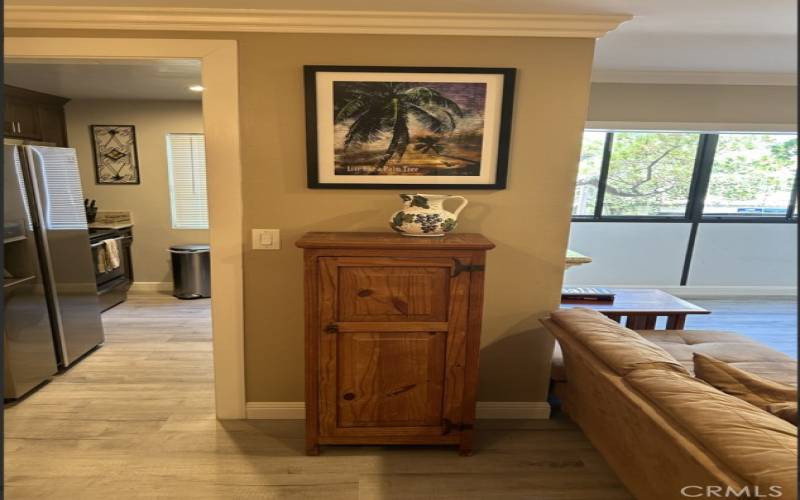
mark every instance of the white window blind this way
{"type": "Point", "coordinates": [186, 156]}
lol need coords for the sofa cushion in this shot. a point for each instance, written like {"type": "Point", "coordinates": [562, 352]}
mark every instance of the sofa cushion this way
{"type": "Point", "coordinates": [759, 447]}
{"type": "Point", "coordinates": [756, 390]}
{"type": "Point", "coordinates": [734, 349]}
{"type": "Point", "coordinates": [620, 348]}
{"type": "Point", "coordinates": [786, 411]}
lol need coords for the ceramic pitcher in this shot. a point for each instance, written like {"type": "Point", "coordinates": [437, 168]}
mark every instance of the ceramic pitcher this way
{"type": "Point", "coordinates": [424, 215]}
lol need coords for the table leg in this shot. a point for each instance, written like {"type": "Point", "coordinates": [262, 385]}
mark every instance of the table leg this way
{"type": "Point", "coordinates": [650, 322]}
{"type": "Point", "coordinates": [676, 321]}
{"type": "Point", "coordinates": [636, 322]}
{"type": "Point", "coordinates": [615, 317]}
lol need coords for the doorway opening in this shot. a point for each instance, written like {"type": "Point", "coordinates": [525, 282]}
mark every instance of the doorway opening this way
{"type": "Point", "coordinates": [187, 141]}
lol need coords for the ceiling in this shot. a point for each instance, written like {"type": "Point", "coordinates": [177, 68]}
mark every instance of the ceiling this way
{"type": "Point", "coordinates": [165, 79]}
{"type": "Point", "coordinates": [727, 38]}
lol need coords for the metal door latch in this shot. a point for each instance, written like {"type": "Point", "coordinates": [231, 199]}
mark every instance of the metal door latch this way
{"type": "Point", "coordinates": [459, 268]}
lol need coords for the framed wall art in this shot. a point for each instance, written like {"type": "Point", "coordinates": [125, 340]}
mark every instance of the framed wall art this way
{"type": "Point", "coordinates": [115, 158]}
{"type": "Point", "coordinates": [408, 127]}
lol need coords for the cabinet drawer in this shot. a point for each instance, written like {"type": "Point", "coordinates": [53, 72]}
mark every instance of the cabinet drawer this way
{"type": "Point", "coordinates": [388, 293]}
{"type": "Point", "coordinates": [390, 289]}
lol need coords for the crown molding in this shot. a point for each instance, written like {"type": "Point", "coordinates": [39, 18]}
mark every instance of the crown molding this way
{"type": "Point", "coordinates": [694, 78]}
{"type": "Point", "coordinates": [299, 21]}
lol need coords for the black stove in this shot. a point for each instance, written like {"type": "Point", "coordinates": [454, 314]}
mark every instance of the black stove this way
{"type": "Point", "coordinates": [96, 235]}
{"type": "Point", "coordinates": [112, 282]}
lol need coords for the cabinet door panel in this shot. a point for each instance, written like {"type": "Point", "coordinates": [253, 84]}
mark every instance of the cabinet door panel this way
{"type": "Point", "coordinates": [25, 114]}
{"type": "Point", "coordinates": [389, 293]}
{"type": "Point", "coordinates": [383, 373]}
{"type": "Point", "coordinates": [387, 379]}
{"type": "Point", "coordinates": [51, 124]}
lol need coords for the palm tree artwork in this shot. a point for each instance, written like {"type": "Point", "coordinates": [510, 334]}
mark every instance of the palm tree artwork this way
{"type": "Point", "coordinates": [378, 121]}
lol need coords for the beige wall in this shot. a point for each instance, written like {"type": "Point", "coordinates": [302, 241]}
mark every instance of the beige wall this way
{"type": "Point", "coordinates": [149, 201]}
{"type": "Point", "coordinates": [529, 221]}
{"type": "Point", "coordinates": [714, 104]}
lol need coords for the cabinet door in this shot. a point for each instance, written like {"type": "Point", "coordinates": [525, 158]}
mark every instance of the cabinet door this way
{"type": "Point", "coordinates": [392, 346]}
{"type": "Point", "coordinates": [51, 124]}
{"type": "Point", "coordinates": [24, 114]}
{"type": "Point", "coordinates": [9, 125]}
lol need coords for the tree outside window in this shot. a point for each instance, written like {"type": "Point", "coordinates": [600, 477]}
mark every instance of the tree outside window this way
{"type": "Point", "coordinates": [589, 173]}
{"type": "Point", "coordinates": [650, 173]}
{"type": "Point", "coordinates": [752, 175]}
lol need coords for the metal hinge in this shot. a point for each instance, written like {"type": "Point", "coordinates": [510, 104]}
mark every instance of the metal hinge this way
{"type": "Point", "coordinates": [448, 427]}
{"type": "Point", "coordinates": [459, 268]}
{"type": "Point", "coordinates": [332, 328]}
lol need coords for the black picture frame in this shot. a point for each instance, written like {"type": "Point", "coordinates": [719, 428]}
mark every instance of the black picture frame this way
{"type": "Point", "coordinates": [98, 161]}
{"type": "Point", "coordinates": [502, 147]}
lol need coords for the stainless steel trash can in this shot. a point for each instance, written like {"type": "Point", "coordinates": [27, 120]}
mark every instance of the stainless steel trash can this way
{"type": "Point", "coordinates": [191, 271]}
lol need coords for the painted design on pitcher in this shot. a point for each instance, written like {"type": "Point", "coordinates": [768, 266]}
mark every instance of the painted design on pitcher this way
{"type": "Point", "coordinates": [424, 215]}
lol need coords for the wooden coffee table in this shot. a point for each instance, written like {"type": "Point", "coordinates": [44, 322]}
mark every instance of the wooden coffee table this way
{"type": "Point", "coordinates": [642, 307]}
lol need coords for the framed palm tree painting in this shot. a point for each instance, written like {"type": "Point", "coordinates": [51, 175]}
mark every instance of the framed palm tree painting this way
{"type": "Point", "coordinates": [408, 127]}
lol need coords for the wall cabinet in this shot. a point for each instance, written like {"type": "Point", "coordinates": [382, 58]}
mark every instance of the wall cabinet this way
{"type": "Point", "coordinates": [34, 116]}
{"type": "Point", "coordinates": [392, 338]}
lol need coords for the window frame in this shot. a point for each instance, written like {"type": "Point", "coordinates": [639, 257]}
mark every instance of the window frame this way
{"type": "Point", "coordinates": [701, 175]}
{"type": "Point", "coordinates": [171, 177]}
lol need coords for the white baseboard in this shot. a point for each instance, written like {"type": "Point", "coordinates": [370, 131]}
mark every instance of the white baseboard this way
{"type": "Point", "coordinates": [729, 291]}
{"type": "Point", "coordinates": [287, 410]}
{"type": "Point", "coordinates": [151, 286]}
{"type": "Point", "coordinates": [295, 410]}
{"type": "Point", "coordinates": [715, 290]}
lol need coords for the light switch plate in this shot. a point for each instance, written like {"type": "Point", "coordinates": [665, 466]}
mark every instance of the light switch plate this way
{"type": "Point", "coordinates": [266, 239]}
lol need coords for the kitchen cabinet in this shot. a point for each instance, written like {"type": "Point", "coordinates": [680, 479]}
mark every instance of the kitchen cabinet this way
{"type": "Point", "coordinates": [34, 116]}
{"type": "Point", "coordinates": [392, 338]}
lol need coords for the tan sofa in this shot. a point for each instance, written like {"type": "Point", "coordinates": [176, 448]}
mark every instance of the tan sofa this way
{"type": "Point", "coordinates": [666, 434]}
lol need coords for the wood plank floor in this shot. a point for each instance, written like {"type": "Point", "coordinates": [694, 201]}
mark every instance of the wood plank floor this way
{"type": "Point", "coordinates": [771, 321]}
{"type": "Point", "coordinates": [135, 419]}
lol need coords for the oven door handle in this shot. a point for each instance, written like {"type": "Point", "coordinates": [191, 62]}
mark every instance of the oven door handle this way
{"type": "Point", "coordinates": [119, 239]}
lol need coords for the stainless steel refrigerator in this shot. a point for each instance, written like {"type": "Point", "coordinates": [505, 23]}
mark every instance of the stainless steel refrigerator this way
{"type": "Point", "coordinates": [55, 202]}
{"type": "Point", "coordinates": [30, 356]}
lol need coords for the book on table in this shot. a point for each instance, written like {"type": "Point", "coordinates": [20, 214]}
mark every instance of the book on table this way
{"type": "Point", "coordinates": [587, 294]}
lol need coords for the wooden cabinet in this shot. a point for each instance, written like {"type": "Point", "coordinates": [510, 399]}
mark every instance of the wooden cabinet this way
{"type": "Point", "coordinates": [34, 116]}
{"type": "Point", "coordinates": [392, 338]}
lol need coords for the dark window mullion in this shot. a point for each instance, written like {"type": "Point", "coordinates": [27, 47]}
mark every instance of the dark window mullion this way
{"type": "Point", "coordinates": [704, 163]}
{"type": "Point", "coordinates": [603, 180]}
{"type": "Point", "coordinates": [693, 185]}
{"type": "Point", "coordinates": [793, 195]}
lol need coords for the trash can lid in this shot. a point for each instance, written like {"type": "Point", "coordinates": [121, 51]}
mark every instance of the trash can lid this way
{"type": "Point", "coordinates": [194, 247]}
